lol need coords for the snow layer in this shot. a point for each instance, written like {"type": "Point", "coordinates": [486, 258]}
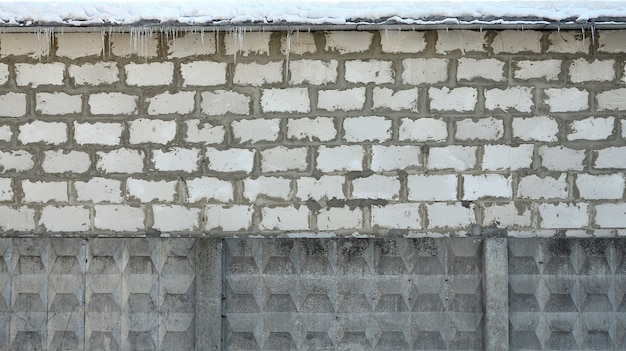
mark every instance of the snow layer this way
{"type": "Point", "coordinates": [301, 12]}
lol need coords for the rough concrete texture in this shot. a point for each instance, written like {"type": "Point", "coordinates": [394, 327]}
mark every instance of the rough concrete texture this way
{"type": "Point", "coordinates": [297, 134]}
{"type": "Point", "coordinates": [476, 293]}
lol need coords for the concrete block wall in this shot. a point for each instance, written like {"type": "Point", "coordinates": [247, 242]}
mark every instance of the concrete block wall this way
{"type": "Point", "coordinates": [376, 133]}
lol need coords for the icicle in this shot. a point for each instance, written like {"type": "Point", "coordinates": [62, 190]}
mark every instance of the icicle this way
{"type": "Point", "coordinates": [558, 28]}
{"type": "Point", "coordinates": [593, 34]}
{"type": "Point", "coordinates": [202, 36]}
{"type": "Point", "coordinates": [287, 50]}
{"type": "Point", "coordinates": [102, 33]}
{"type": "Point", "coordinates": [446, 28]}
{"type": "Point", "coordinates": [582, 29]}
{"type": "Point", "coordinates": [386, 34]}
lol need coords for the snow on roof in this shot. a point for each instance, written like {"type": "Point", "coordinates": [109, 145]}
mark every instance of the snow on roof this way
{"type": "Point", "coordinates": [100, 13]}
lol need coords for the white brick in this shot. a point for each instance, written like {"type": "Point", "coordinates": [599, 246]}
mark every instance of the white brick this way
{"type": "Point", "coordinates": [544, 69]}
{"type": "Point", "coordinates": [396, 216]}
{"type": "Point", "coordinates": [442, 215]}
{"type": "Point", "coordinates": [609, 186]}
{"type": "Point", "coordinates": [507, 215]}
{"type": "Point", "coordinates": [423, 129]}
{"type": "Point", "coordinates": [13, 105]}
{"type": "Point", "coordinates": [432, 187]}
{"type": "Point", "coordinates": [312, 129]}
{"type": "Point", "coordinates": [581, 70]}
{"type": "Point", "coordinates": [286, 100]}
{"type": "Point", "coordinates": [5, 133]}
{"type": "Point", "coordinates": [385, 98]}
{"type": "Point", "coordinates": [282, 159]}
{"type": "Point", "coordinates": [326, 187]}
{"type": "Point", "coordinates": [298, 44]}
{"type": "Point", "coordinates": [513, 98]}
{"type": "Point", "coordinates": [418, 71]}
{"type": "Point", "coordinates": [340, 158]}
{"type": "Point", "coordinates": [148, 191]}
{"type": "Point", "coordinates": [612, 100]}
{"type": "Point", "coordinates": [284, 218]}
{"type": "Point", "coordinates": [344, 100]}
{"type": "Point", "coordinates": [18, 161]}
{"type": "Point", "coordinates": [191, 44]}
{"type": "Point", "coordinates": [389, 158]}
{"type": "Point", "coordinates": [611, 41]}
{"type": "Point", "coordinates": [18, 219]}
{"type": "Point", "coordinates": [569, 42]}
{"type": "Point", "coordinates": [204, 132]}
{"type": "Point", "coordinates": [146, 74]}
{"type": "Point", "coordinates": [345, 42]}
{"type": "Point", "coordinates": [98, 133]}
{"type": "Point", "coordinates": [94, 73]}
{"type": "Point", "coordinates": [373, 71]}
{"type": "Point", "coordinates": [266, 187]}
{"type": "Point", "coordinates": [314, 72]}
{"type": "Point", "coordinates": [118, 218]}
{"type": "Point", "coordinates": [143, 130]}
{"type": "Point", "coordinates": [611, 157]}
{"type": "Point", "coordinates": [58, 103]}
{"type": "Point", "coordinates": [459, 158]}
{"type": "Point", "coordinates": [405, 42]}
{"type": "Point", "coordinates": [98, 190]}
{"type": "Point", "coordinates": [559, 158]}
{"type": "Point", "coordinates": [230, 160]}
{"type": "Point", "coordinates": [461, 99]}
{"type": "Point", "coordinates": [534, 187]}
{"type": "Point", "coordinates": [253, 43]}
{"type": "Point", "coordinates": [39, 74]}
{"type": "Point", "coordinates": [376, 187]}
{"type": "Point", "coordinates": [488, 128]}
{"type": "Point", "coordinates": [540, 128]}
{"type": "Point", "coordinates": [6, 191]}
{"type": "Point", "coordinates": [61, 161]}
{"type": "Point", "coordinates": [486, 186]}
{"type": "Point", "coordinates": [592, 128]}
{"type": "Point", "coordinates": [120, 161]}
{"type": "Point", "coordinates": [112, 104]}
{"type": "Point", "coordinates": [221, 102]}
{"type": "Point", "coordinates": [43, 132]}
{"type": "Point", "coordinates": [504, 157]}
{"type": "Point", "coordinates": [228, 218]}
{"type": "Point", "coordinates": [166, 103]}
{"type": "Point", "coordinates": [42, 191]}
{"type": "Point", "coordinates": [203, 73]}
{"type": "Point", "coordinates": [337, 218]}
{"type": "Point", "coordinates": [255, 130]}
{"type": "Point", "coordinates": [511, 41]}
{"type": "Point", "coordinates": [176, 159]}
{"type": "Point", "coordinates": [208, 188]}
{"type": "Point", "coordinates": [175, 218]}
{"type": "Point", "coordinates": [462, 40]}
{"type": "Point", "coordinates": [563, 215]}
{"type": "Point", "coordinates": [611, 215]}
{"type": "Point", "coordinates": [18, 44]}
{"type": "Point", "coordinates": [368, 128]}
{"type": "Point", "coordinates": [65, 219]}
{"type": "Point", "coordinates": [144, 45]}
{"type": "Point", "coordinates": [567, 99]}
{"type": "Point", "coordinates": [77, 45]}
{"type": "Point", "coordinates": [258, 74]}
{"type": "Point", "coordinates": [4, 73]}
{"type": "Point", "coordinates": [489, 69]}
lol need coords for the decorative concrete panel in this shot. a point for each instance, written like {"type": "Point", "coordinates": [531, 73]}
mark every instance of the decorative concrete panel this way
{"type": "Point", "coordinates": [567, 294]}
{"type": "Point", "coordinates": [392, 294]}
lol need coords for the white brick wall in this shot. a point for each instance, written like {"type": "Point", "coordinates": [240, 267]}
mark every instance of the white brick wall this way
{"type": "Point", "coordinates": [200, 73]}
{"type": "Point", "coordinates": [344, 100]}
{"type": "Point", "coordinates": [94, 73]}
{"type": "Point", "coordinates": [304, 134]}
{"type": "Point", "coordinates": [314, 72]}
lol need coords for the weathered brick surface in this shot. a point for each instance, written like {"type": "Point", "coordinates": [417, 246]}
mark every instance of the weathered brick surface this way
{"type": "Point", "coordinates": [340, 132]}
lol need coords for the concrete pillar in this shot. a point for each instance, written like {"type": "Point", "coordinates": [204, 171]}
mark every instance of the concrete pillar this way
{"type": "Point", "coordinates": [496, 292]}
